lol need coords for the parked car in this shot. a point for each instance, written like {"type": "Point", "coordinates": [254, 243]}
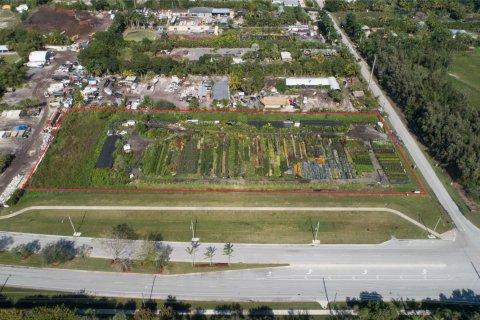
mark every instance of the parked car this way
{"type": "Point", "coordinates": [118, 95]}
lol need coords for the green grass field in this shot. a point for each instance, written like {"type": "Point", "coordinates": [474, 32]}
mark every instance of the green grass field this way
{"type": "Point", "coordinates": [465, 75]}
{"type": "Point", "coordinates": [139, 35]}
{"type": "Point", "coordinates": [10, 58]}
{"type": "Point", "coordinates": [354, 225]}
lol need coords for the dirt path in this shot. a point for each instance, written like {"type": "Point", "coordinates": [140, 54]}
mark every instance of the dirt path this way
{"type": "Point", "coordinates": [168, 208]}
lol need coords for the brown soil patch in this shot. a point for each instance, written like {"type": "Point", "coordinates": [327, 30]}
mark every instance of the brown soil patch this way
{"type": "Point", "coordinates": [365, 133]}
{"type": "Point", "coordinates": [54, 19]}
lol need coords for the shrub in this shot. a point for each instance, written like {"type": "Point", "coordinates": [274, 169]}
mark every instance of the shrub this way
{"type": "Point", "coordinates": [25, 250]}
{"type": "Point", "coordinates": [15, 197]}
{"type": "Point", "coordinates": [60, 251]}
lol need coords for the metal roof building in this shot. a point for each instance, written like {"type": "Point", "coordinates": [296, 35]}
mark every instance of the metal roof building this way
{"type": "Point", "coordinates": [38, 56]}
{"type": "Point", "coordinates": [313, 82]}
{"type": "Point", "coordinates": [221, 90]}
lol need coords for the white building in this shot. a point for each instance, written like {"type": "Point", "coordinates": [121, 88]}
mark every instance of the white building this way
{"type": "Point", "coordinates": [39, 56]}
{"type": "Point", "coordinates": [286, 56]}
{"type": "Point", "coordinates": [290, 3]}
{"type": "Point", "coordinates": [313, 82]}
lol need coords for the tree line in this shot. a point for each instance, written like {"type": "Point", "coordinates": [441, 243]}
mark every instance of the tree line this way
{"type": "Point", "coordinates": [413, 70]}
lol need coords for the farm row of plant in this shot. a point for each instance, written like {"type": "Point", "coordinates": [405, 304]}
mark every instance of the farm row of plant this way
{"type": "Point", "coordinates": [357, 153]}
{"type": "Point", "coordinates": [251, 156]}
{"type": "Point", "coordinates": [391, 164]}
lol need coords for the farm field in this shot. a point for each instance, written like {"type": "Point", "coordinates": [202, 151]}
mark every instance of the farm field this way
{"type": "Point", "coordinates": [222, 226]}
{"type": "Point", "coordinates": [465, 75]}
{"type": "Point", "coordinates": [222, 151]}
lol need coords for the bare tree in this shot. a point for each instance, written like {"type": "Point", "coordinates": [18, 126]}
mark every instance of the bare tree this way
{"type": "Point", "coordinates": [228, 251]}
{"type": "Point", "coordinates": [210, 253]}
{"type": "Point", "coordinates": [119, 242]}
{"type": "Point", "coordinates": [192, 250]}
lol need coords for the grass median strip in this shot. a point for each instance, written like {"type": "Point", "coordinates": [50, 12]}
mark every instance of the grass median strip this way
{"type": "Point", "coordinates": [99, 264]}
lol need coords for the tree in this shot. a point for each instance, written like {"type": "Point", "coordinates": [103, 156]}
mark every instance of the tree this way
{"type": "Point", "coordinates": [124, 231]}
{"type": "Point", "coordinates": [12, 314]}
{"type": "Point", "coordinates": [192, 250]}
{"type": "Point", "coordinates": [144, 314]}
{"type": "Point", "coordinates": [119, 242]}
{"type": "Point", "coordinates": [228, 251]}
{"type": "Point", "coordinates": [25, 250]}
{"type": "Point", "coordinates": [60, 251]}
{"type": "Point", "coordinates": [210, 253]}
{"type": "Point", "coordinates": [15, 197]}
{"type": "Point", "coordinates": [49, 313]}
{"type": "Point", "coordinates": [5, 243]}
{"type": "Point", "coordinates": [156, 254]}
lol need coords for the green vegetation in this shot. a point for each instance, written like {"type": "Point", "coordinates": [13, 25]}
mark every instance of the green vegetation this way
{"type": "Point", "coordinates": [227, 150]}
{"type": "Point", "coordinates": [8, 19]}
{"type": "Point", "coordinates": [98, 264]}
{"type": "Point", "coordinates": [139, 35]}
{"type": "Point", "coordinates": [465, 75]}
{"type": "Point", "coordinates": [10, 58]}
{"type": "Point", "coordinates": [5, 161]}
{"type": "Point", "coordinates": [219, 226]}
{"type": "Point", "coordinates": [413, 72]}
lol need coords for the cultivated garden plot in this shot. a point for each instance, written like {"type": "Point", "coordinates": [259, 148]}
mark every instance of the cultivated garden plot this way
{"type": "Point", "coordinates": [223, 151]}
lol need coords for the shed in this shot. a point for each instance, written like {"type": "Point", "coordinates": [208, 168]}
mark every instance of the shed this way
{"type": "Point", "coordinates": [286, 56]}
{"type": "Point", "coordinates": [359, 94]}
{"type": "Point", "coordinates": [313, 82]}
{"type": "Point", "coordinates": [290, 3]}
{"type": "Point", "coordinates": [275, 102]}
{"type": "Point", "coordinates": [3, 48]}
{"type": "Point", "coordinates": [200, 12]}
{"type": "Point", "coordinates": [221, 90]}
{"type": "Point", "coordinates": [38, 56]}
{"type": "Point", "coordinates": [127, 148]}
{"type": "Point", "coordinates": [221, 11]}
{"type": "Point", "coordinates": [21, 134]}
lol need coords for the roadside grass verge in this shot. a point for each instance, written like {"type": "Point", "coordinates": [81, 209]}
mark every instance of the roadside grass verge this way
{"type": "Point", "coordinates": [33, 297]}
{"type": "Point", "coordinates": [99, 264]}
{"type": "Point", "coordinates": [221, 226]}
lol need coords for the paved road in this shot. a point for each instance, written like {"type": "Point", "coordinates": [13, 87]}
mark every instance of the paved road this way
{"type": "Point", "coordinates": [209, 208]}
{"type": "Point", "coordinates": [408, 269]}
{"type": "Point", "coordinates": [469, 235]}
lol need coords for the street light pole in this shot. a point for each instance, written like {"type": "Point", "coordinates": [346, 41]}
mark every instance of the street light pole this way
{"type": "Point", "coordinates": [371, 73]}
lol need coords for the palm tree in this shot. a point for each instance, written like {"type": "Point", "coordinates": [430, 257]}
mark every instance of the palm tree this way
{"type": "Point", "coordinates": [228, 251]}
{"type": "Point", "coordinates": [192, 250]}
{"type": "Point", "coordinates": [209, 253]}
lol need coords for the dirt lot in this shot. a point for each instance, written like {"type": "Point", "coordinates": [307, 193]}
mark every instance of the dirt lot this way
{"type": "Point", "coordinates": [72, 22]}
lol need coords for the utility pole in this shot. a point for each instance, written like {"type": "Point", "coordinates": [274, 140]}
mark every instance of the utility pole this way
{"type": "Point", "coordinates": [371, 73]}
{"type": "Point", "coordinates": [326, 295]}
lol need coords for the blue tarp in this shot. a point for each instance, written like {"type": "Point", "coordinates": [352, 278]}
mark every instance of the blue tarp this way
{"type": "Point", "coordinates": [18, 128]}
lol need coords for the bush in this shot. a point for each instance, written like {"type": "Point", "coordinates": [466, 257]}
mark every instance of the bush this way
{"type": "Point", "coordinates": [60, 251]}
{"type": "Point", "coordinates": [15, 197]}
{"type": "Point", "coordinates": [5, 242]}
{"type": "Point", "coordinates": [25, 250]}
{"type": "Point", "coordinates": [123, 231]}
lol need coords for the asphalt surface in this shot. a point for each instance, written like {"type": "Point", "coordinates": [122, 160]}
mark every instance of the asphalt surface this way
{"type": "Point", "coordinates": [396, 269]}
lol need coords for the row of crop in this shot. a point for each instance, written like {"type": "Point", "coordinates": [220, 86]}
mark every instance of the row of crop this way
{"type": "Point", "coordinates": [390, 162]}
